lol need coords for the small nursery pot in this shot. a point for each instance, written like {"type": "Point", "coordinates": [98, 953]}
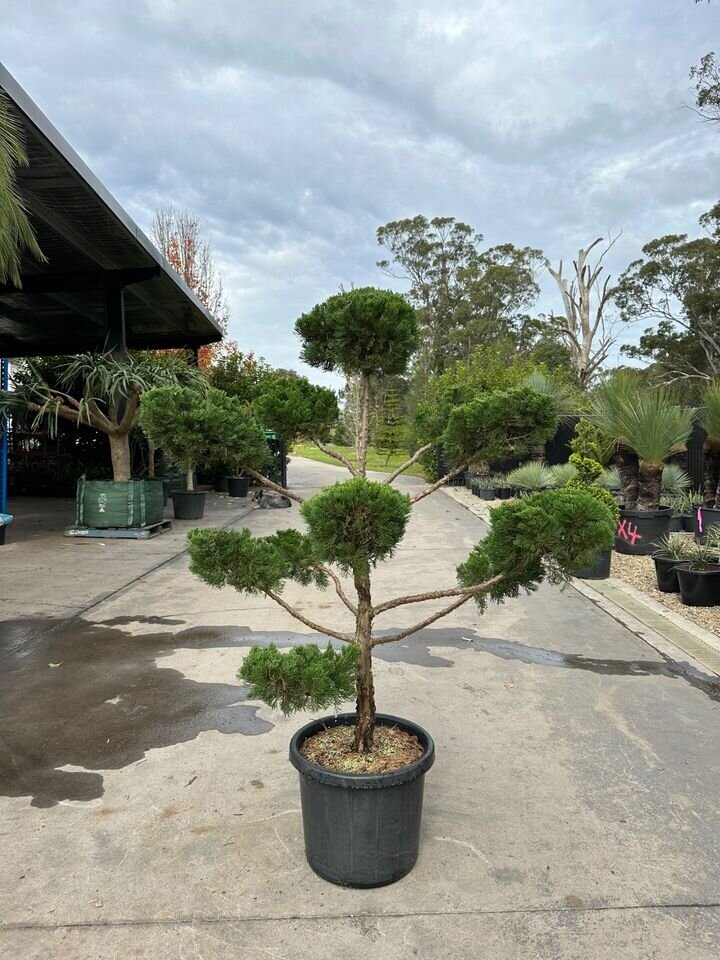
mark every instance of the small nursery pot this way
{"type": "Point", "coordinates": [238, 486]}
{"type": "Point", "coordinates": [490, 494]}
{"type": "Point", "coordinates": [362, 829]}
{"type": "Point", "coordinates": [221, 484]}
{"type": "Point", "coordinates": [666, 573]}
{"type": "Point", "coordinates": [639, 531]}
{"type": "Point", "coordinates": [677, 524]}
{"type": "Point", "coordinates": [600, 570]}
{"type": "Point", "coordinates": [689, 521]}
{"type": "Point", "coordinates": [699, 588]}
{"type": "Point", "coordinates": [189, 504]}
{"type": "Point", "coordinates": [504, 493]}
{"type": "Point", "coordinates": [705, 517]}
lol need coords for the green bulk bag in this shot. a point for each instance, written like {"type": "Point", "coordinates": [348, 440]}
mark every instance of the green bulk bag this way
{"type": "Point", "coordinates": [101, 504]}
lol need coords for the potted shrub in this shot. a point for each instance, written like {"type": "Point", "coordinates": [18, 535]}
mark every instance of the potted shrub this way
{"type": "Point", "coordinates": [243, 443]}
{"type": "Point", "coordinates": [103, 392]}
{"type": "Point", "coordinates": [585, 458]}
{"type": "Point", "coordinates": [192, 427]}
{"type": "Point", "coordinates": [687, 505]}
{"type": "Point", "coordinates": [699, 578]}
{"type": "Point", "coordinates": [646, 427]}
{"type": "Point", "coordinates": [674, 551]}
{"type": "Point", "coordinates": [531, 476]}
{"type": "Point", "coordinates": [362, 815]}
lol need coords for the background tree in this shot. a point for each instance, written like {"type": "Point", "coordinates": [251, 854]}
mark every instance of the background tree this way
{"type": "Point", "coordinates": [389, 434]}
{"type": "Point", "coordinates": [98, 390]}
{"type": "Point", "coordinates": [355, 525]}
{"type": "Point", "coordinates": [239, 374]}
{"type": "Point", "coordinates": [584, 324]}
{"type": "Point", "coordinates": [178, 236]}
{"type": "Point", "coordinates": [16, 233]}
{"type": "Point", "coordinates": [676, 284]}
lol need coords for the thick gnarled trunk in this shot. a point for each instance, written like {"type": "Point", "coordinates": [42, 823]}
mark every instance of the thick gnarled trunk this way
{"type": "Point", "coordinates": [628, 467]}
{"type": "Point", "coordinates": [120, 456]}
{"type": "Point", "coordinates": [649, 485]}
{"type": "Point", "coordinates": [711, 477]}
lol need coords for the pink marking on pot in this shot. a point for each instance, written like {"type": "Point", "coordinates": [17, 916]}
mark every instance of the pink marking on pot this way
{"type": "Point", "coordinates": [699, 520]}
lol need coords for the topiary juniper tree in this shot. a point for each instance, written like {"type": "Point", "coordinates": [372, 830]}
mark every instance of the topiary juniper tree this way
{"type": "Point", "coordinates": [353, 526]}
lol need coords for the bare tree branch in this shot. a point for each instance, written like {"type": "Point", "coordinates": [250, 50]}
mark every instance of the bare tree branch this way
{"type": "Point", "coordinates": [336, 456]}
{"type": "Point", "coordinates": [434, 595]}
{"type": "Point", "coordinates": [442, 613]}
{"type": "Point", "coordinates": [408, 463]}
{"type": "Point", "coordinates": [338, 587]}
{"type": "Point", "coordinates": [265, 482]}
{"type": "Point", "coordinates": [439, 483]}
{"type": "Point", "coordinates": [346, 638]}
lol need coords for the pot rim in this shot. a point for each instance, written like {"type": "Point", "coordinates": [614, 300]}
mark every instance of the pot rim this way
{"type": "Point", "coordinates": [710, 570]}
{"type": "Point", "coordinates": [190, 493]}
{"type": "Point", "coordinates": [649, 514]}
{"type": "Point", "coordinates": [361, 781]}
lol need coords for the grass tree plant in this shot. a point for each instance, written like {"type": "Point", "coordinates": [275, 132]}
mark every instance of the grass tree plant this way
{"type": "Point", "coordinates": [353, 526]}
{"type": "Point", "coordinates": [710, 422]}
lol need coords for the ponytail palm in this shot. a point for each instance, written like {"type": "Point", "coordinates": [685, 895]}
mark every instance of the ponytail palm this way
{"type": "Point", "coordinates": [710, 422]}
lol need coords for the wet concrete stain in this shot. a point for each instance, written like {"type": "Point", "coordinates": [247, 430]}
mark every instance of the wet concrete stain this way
{"type": "Point", "coordinates": [111, 700]}
{"type": "Point", "coordinates": [108, 703]}
{"type": "Point", "coordinates": [512, 650]}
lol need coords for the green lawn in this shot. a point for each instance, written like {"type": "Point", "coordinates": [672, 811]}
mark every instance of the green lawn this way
{"type": "Point", "coordinates": [375, 461]}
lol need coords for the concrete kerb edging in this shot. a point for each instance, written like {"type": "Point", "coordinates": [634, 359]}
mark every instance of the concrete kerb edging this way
{"type": "Point", "coordinates": [665, 630]}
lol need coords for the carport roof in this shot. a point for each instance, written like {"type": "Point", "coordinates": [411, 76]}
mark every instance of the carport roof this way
{"type": "Point", "coordinates": [92, 247]}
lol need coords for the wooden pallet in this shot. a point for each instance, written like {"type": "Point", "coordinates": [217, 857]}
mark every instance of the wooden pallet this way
{"type": "Point", "coordinates": [120, 533]}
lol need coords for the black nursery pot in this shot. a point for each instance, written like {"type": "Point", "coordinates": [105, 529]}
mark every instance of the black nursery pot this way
{"type": "Point", "coordinates": [677, 524]}
{"type": "Point", "coordinates": [705, 517]}
{"type": "Point", "coordinates": [488, 494]}
{"type": "Point", "coordinates": [639, 531]}
{"type": "Point", "coordinates": [666, 574]}
{"type": "Point", "coordinates": [361, 830]}
{"type": "Point", "coordinates": [189, 504]}
{"type": "Point", "coordinates": [699, 588]}
{"type": "Point", "coordinates": [238, 486]}
{"type": "Point", "coordinates": [600, 570]}
{"type": "Point", "coordinates": [504, 493]}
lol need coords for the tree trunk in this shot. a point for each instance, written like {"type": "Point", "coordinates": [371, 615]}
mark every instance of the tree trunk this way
{"type": "Point", "coordinates": [151, 459]}
{"type": "Point", "coordinates": [628, 468]}
{"type": "Point", "coordinates": [120, 455]}
{"type": "Point", "coordinates": [189, 482]}
{"type": "Point", "coordinates": [649, 484]}
{"type": "Point", "coordinates": [365, 704]}
{"type": "Point", "coordinates": [711, 476]}
{"type": "Point", "coordinates": [364, 423]}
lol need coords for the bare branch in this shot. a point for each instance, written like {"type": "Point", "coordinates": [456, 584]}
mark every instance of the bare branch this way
{"type": "Point", "coordinates": [408, 463]}
{"type": "Point", "coordinates": [434, 595]}
{"type": "Point", "coordinates": [336, 456]}
{"type": "Point", "coordinates": [439, 483]}
{"type": "Point", "coordinates": [442, 613]}
{"type": "Point", "coordinates": [265, 482]}
{"type": "Point", "coordinates": [346, 638]}
{"type": "Point", "coordinates": [338, 587]}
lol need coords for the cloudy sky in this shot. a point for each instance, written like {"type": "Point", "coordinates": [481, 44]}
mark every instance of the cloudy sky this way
{"type": "Point", "coordinates": [294, 129]}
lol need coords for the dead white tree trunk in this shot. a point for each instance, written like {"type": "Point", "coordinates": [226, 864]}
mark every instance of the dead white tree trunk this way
{"type": "Point", "coordinates": [583, 326]}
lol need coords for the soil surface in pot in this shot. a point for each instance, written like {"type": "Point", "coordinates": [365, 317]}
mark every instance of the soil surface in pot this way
{"type": "Point", "coordinates": [333, 749]}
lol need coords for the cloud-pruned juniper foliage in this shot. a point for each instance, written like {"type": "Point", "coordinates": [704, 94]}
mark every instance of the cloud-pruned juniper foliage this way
{"type": "Point", "coordinates": [351, 527]}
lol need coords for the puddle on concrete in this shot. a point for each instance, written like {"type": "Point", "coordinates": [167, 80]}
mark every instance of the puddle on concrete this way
{"type": "Point", "coordinates": [511, 650]}
{"type": "Point", "coordinates": [110, 699]}
{"type": "Point", "coordinates": [103, 707]}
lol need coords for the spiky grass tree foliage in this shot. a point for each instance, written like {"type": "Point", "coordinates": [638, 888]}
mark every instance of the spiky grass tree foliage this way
{"type": "Point", "coordinates": [192, 425]}
{"type": "Point", "coordinates": [674, 480]}
{"type": "Point", "coordinates": [649, 424]}
{"type": "Point", "coordinates": [563, 473]}
{"type": "Point", "coordinates": [534, 475]}
{"type": "Point", "coordinates": [353, 526]}
{"type": "Point", "coordinates": [16, 232]}
{"type": "Point", "coordinates": [710, 422]}
{"type": "Point", "coordinates": [94, 389]}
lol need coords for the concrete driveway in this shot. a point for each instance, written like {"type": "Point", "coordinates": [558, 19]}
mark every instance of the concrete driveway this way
{"type": "Point", "coordinates": [148, 809]}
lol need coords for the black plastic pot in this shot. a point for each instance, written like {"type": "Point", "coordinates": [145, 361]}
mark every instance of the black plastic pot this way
{"type": "Point", "coordinates": [688, 522]}
{"type": "Point", "coordinates": [705, 518]}
{"type": "Point", "coordinates": [238, 486]}
{"type": "Point", "coordinates": [221, 484]}
{"type": "Point", "coordinates": [3, 528]}
{"type": "Point", "coordinates": [699, 588]}
{"type": "Point", "coordinates": [504, 493]}
{"type": "Point", "coordinates": [189, 504]}
{"type": "Point", "coordinates": [676, 523]}
{"type": "Point", "coordinates": [666, 574]}
{"type": "Point", "coordinates": [600, 570]}
{"type": "Point", "coordinates": [488, 494]}
{"type": "Point", "coordinates": [361, 830]}
{"type": "Point", "coordinates": [639, 531]}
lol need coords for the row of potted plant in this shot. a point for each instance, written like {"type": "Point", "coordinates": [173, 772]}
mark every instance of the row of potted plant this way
{"type": "Point", "coordinates": [691, 568]}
